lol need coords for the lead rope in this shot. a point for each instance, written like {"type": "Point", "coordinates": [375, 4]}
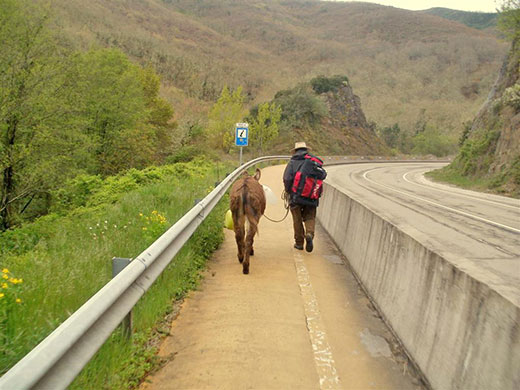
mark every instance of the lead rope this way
{"type": "Point", "coordinates": [285, 198]}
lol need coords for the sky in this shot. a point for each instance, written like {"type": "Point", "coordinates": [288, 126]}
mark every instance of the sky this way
{"type": "Point", "coordinates": [462, 5]}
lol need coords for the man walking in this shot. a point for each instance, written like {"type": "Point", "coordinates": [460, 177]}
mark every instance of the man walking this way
{"type": "Point", "coordinates": [303, 179]}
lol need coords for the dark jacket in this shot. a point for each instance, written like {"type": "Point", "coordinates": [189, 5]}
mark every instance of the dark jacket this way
{"type": "Point", "coordinates": [290, 170]}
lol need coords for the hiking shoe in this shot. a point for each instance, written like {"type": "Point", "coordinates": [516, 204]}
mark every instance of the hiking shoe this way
{"type": "Point", "coordinates": [308, 243]}
{"type": "Point", "coordinates": [299, 247]}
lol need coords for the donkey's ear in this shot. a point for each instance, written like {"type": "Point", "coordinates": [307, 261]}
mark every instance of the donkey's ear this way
{"type": "Point", "coordinates": [257, 174]}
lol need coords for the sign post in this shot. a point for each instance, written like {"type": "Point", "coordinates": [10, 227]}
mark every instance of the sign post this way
{"type": "Point", "coordinates": [118, 264]}
{"type": "Point", "coordinates": [241, 136]}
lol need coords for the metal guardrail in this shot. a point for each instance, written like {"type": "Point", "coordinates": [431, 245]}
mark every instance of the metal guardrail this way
{"type": "Point", "coordinates": [59, 358]}
{"type": "Point", "coordinates": [342, 160]}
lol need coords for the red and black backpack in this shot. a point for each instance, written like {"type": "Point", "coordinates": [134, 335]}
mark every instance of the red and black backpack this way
{"type": "Point", "coordinates": [308, 181]}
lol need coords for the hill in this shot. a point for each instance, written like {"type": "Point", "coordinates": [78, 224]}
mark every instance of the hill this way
{"type": "Point", "coordinates": [478, 20]}
{"type": "Point", "coordinates": [489, 157]}
{"type": "Point", "coordinates": [407, 67]}
{"type": "Point", "coordinates": [490, 152]}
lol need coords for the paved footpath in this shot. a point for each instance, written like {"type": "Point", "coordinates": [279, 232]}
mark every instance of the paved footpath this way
{"type": "Point", "coordinates": [298, 321]}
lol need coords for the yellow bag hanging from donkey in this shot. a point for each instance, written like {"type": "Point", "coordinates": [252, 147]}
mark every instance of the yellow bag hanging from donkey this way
{"type": "Point", "coordinates": [228, 220]}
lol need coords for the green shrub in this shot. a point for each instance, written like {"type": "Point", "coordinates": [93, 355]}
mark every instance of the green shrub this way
{"type": "Point", "coordinates": [515, 170]}
{"type": "Point", "coordinates": [476, 153]}
{"type": "Point", "coordinates": [511, 97]}
{"type": "Point", "coordinates": [322, 84]}
{"type": "Point", "coordinates": [300, 107]}
{"type": "Point", "coordinates": [76, 192]}
{"type": "Point", "coordinates": [431, 141]}
{"type": "Point", "coordinates": [185, 154]}
{"type": "Point", "coordinates": [391, 135]}
{"type": "Point", "coordinates": [112, 189]}
{"type": "Point", "coordinates": [23, 239]}
{"type": "Point", "coordinates": [91, 191]}
{"type": "Point", "coordinates": [465, 133]}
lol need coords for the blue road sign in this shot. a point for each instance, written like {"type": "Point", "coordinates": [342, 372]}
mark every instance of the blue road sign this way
{"type": "Point", "coordinates": [241, 134]}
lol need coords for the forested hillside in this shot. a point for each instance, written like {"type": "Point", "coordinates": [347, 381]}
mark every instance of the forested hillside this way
{"type": "Point", "coordinates": [64, 112]}
{"type": "Point", "coordinates": [408, 68]}
{"type": "Point", "coordinates": [100, 87]}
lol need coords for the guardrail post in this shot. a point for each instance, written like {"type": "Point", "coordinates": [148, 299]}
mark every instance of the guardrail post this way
{"type": "Point", "coordinates": [119, 264]}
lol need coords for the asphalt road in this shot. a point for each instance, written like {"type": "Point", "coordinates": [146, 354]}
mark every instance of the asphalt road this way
{"type": "Point", "coordinates": [478, 232]}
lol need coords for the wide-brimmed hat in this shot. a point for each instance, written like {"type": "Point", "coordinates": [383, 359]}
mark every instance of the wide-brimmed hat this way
{"type": "Point", "coordinates": [300, 145]}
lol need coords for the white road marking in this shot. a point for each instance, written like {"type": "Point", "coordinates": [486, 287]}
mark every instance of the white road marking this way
{"type": "Point", "coordinates": [442, 206]}
{"type": "Point", "coordinates": [460, 194]}
{"type": "Point", "coordinates": [325, 364]}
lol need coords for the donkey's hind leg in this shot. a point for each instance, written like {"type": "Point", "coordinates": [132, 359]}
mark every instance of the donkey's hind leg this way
{"type": "Point", "coordinates": [251, 220]}
{"type": "Point", "coordinates": [249, 244]}
{"type": "Point", "coordinates": [238, 222]}
{"type": "Point", "coordinates": [252, 250]}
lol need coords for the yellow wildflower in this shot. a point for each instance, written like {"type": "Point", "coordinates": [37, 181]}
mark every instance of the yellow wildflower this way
{"type": "Point", "coordinates": [2, 295]}
{"type": "Point", "coordinates": [5, 271]}
{"type": "Point", "coordinates": [154, 212]}
{"type": "Point", "coordinates": [144, 228]}
{"type": "Point", "coordinates": [5, 276]}
{"type": "Point", "coordinates": [4, 285]}
{"type": "Point", "coordinates": [140, 214]}
{"type": "Point", "coordinates": [18, 300]}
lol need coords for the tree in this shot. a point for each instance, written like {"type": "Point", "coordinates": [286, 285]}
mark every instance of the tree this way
{"type": "Point", "coordinates": [225, 113]}
{"type": "Point", "coordinates": [301, 107]}
{"type": "Point", "coordinates": [264, 126]}
{"type": "Point", "coordinates": [509, 19]}
{"type": "Point", "coordinates": [390, 135]}
{"type": "Point", "coordinates": [39, 138]}
{"type": "Point", "coordinates": [160, 113]}
{"type": "Point", "coordinates": [123, 113]}
{"type": "Point", "coordinates": [113, 102]}
{"type": "Point", "coordinates": [432, 141]}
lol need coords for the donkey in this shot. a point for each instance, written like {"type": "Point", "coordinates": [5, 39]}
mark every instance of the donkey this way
{"type": "Point", "coordinates": [247, 200]}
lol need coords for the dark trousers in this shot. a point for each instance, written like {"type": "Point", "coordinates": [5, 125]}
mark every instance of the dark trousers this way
{"type": "Point", "coordinates": [303, 215]}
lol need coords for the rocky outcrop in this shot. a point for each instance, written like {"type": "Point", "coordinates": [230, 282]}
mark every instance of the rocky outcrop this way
{"type": "Point", "coordinates": [507, 150]}
{"type": "Point", "coordinates": [346, 123]}
{"type": "Point", "coordinates": [345, 108]}
{"type": "Point", "coordinates": [508, 144]}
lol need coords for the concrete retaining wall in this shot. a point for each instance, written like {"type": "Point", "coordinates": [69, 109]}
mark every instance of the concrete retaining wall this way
{"type": "Point", "coordinates": [461, 333]}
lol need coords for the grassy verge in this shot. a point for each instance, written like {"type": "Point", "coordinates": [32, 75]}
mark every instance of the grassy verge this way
{"type": "Point", "coordinates": [477, 183]}
{"type": "Point", "coordinates": [64, 258]}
